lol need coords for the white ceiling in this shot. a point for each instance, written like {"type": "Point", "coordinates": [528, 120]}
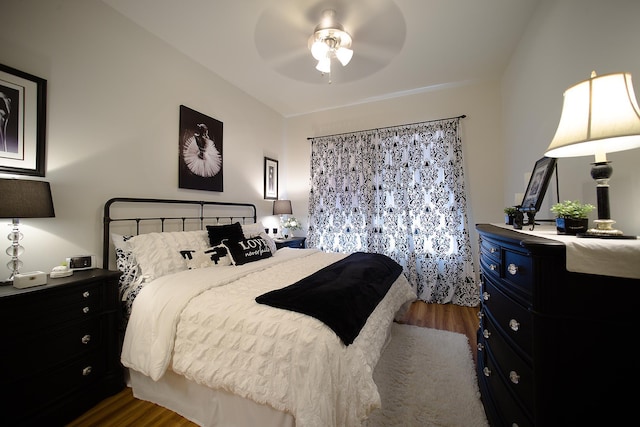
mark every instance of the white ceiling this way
{"type": "Point", "coordinates": [400, 46]}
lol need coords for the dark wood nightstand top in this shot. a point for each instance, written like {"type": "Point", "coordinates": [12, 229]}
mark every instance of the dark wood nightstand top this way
{"type": "Point", "coordinates": [291, 242]}
{"type": "Point", "coordinates": [76, 278]}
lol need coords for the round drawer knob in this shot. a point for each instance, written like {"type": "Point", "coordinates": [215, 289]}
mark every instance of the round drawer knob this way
{"type": "Point", "coordinates": [486, 333]}
{"type": "Point", "coordinates": [86, 339]}
{"type": "Point", "coordinates": [514, 324]}
{"type": "Point", "coordinates": [492, 267]}
{"type": "Point", "coordinates": [86, 371]}
{"type": "Point", "coordinates": [486, 371]}
{"type": "Point", "coordinates": [512, 269]}
{"type": "Point", "coordinates": [514, 377]}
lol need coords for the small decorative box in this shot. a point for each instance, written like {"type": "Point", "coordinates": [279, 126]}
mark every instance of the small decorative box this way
{"type": "Point", "coordinates": [27, 280]}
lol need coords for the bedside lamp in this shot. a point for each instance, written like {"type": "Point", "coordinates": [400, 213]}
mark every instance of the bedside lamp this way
{"type": "Point", "coordinates": [22, 199]}
{"type": "Point", "coordinates": [599, 116]}
{"type": "Point", "coordinates": [282, 207]}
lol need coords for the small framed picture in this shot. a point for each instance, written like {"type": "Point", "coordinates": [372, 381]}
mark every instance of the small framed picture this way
{"type": "Point", "coordinates": [538, 183]}
{"type": "Point", "coordinates": [22, 122]}
{"type": "Point", "coordinates": [270, 179]}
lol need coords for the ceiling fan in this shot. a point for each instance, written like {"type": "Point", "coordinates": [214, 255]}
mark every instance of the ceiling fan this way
{"type": "Point", "coordinates": [286, 30]}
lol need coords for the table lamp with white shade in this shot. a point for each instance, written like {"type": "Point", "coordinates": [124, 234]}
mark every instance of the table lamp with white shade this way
{"type": "Point", "coordinates": [599, 116]}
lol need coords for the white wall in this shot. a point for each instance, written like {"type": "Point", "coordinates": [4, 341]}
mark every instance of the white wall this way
{"type": "Point", "coordinates": [114, 93]}
{"type": "Point", "coordinates": [564, 42]}
{"type": "Point", "coordinates": [483, 150]}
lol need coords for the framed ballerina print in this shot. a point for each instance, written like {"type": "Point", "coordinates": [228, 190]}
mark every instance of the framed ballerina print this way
{"type": "Point", "coordinates": [200, 146]}
{"type": "Point", "coordinates": [23, 99]}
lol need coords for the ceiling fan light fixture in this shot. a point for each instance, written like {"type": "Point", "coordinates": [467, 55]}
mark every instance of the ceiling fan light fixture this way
{"type": "Point", "coordinates": [324, 65]}
{"type": "Point", "coordinates": [319, 50]}
{"type": "Point", "coordinates": [344, 55]}
{"type": "Point", "coordinates": [329, 40]}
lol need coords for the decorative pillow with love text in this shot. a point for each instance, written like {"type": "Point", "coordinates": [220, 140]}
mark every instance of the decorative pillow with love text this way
{"type": "Point", "coordinates": [247, 250]}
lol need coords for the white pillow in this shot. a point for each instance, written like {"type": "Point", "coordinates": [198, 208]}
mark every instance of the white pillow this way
{"type": "Point", "coordinates": [252, 230]}
{"type": "Point", "coordinates": [257, 229]}
{"type": "Point", "coordinates": [158, 254]}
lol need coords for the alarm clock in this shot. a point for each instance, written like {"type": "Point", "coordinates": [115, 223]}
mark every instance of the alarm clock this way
{"type": "Point", "coordinates": [81, 262]}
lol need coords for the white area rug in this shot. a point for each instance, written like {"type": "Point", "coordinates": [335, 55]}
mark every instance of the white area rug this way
{"type": "Point", "coordinates": [426, 377]}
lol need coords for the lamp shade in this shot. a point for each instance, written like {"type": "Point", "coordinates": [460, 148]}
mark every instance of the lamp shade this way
{"type": "Point", "coordinates": [599, 115]}
{"type": "Point", "coordinates": [23, 198]}
{"type": "Point", "coordinates": [282, 207]}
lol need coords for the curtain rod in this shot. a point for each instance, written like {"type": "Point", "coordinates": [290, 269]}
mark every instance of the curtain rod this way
{"type": "Point", "coordinates": [387, 127]}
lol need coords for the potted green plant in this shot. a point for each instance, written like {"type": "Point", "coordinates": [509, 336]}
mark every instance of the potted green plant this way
{"type": "Point", "coordinates": [572, 216]}
{"type": "Point", "coordinates": [509, 214]}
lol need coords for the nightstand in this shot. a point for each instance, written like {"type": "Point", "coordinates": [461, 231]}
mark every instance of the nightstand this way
{"type": "Point", "coordinates": [291, 242]}
{"type": "Point", "coordinates": [60, 348]}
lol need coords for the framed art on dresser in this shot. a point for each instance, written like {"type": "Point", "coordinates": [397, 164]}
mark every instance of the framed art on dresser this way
{"type": "Point", "coordinates": [538, 183]}
{"type": "Point", "coordinates": [22, 122]}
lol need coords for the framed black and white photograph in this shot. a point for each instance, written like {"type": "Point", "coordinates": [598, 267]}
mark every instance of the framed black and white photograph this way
{"type": "Point", "coordinates": [22, 122]}
{"type": "Point", "coordinates": [270, 179]}
{"type": "Point", "coordinates": [200, 146]}
{"type": "Point", "coordinates": [538, 183]}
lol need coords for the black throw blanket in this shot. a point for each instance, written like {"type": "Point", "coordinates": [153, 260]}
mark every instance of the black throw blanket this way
{"type": "Point", "coordinates": [342, 294]}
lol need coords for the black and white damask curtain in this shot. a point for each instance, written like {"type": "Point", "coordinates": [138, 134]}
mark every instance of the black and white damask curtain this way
{"type": "Point", "coordinates": [397, 191]}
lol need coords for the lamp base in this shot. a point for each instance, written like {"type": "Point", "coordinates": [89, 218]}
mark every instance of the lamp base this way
{"type": "Point", "coordinates": [604, 230]}
{"type": "Point", "coordinates": [604, 227]}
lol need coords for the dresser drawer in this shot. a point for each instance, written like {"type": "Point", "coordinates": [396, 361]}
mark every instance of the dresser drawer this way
{"type": "Point", "coordinates": [490, 249]}
{"type": "Point", "coordinates": [512, 319]}
{"type": "Point", "coordinates": [80, 374]}
{"type": "Point", "coordinates": [514, 370]}
{"type": "Point", "coordinates": [518, 270]}
{"type": "Point", "coordinates": [509, 410]}
{"type": "Point", "coordinates": [62, 304]}
{"type": "Point", "coordinates": [43, 350]}
{"type": "Point", "coordinates": [490, 266]}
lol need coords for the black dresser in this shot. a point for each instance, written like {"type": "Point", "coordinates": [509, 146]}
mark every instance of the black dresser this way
{"type": "Point", "coordinates": [60, 348]}
{"type": "Point", "coordinates": [555, 348]}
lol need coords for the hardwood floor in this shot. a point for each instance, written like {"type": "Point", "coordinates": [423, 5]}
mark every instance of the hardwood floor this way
{"type": "Point", "coordinates": [124, 410]}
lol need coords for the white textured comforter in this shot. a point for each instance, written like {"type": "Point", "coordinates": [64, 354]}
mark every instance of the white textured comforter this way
{"type": "Point", "coordinates": [206, 323]}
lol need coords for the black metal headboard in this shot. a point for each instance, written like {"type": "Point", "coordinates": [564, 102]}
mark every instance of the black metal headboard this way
{"type": "Point", "coordinates": [147, 215]}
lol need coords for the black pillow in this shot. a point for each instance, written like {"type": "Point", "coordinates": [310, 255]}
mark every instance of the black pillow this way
{"type": "Point", "coordinates": [247, 250]}
{"type": "Point", "coordinates": [231, 232]}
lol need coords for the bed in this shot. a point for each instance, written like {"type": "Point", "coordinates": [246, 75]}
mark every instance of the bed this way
{"type": "Point", "coordinates": [224, 329]}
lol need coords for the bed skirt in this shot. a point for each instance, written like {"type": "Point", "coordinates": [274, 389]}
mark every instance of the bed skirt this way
{"type": "Point", "coordinates": [205, 406]}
